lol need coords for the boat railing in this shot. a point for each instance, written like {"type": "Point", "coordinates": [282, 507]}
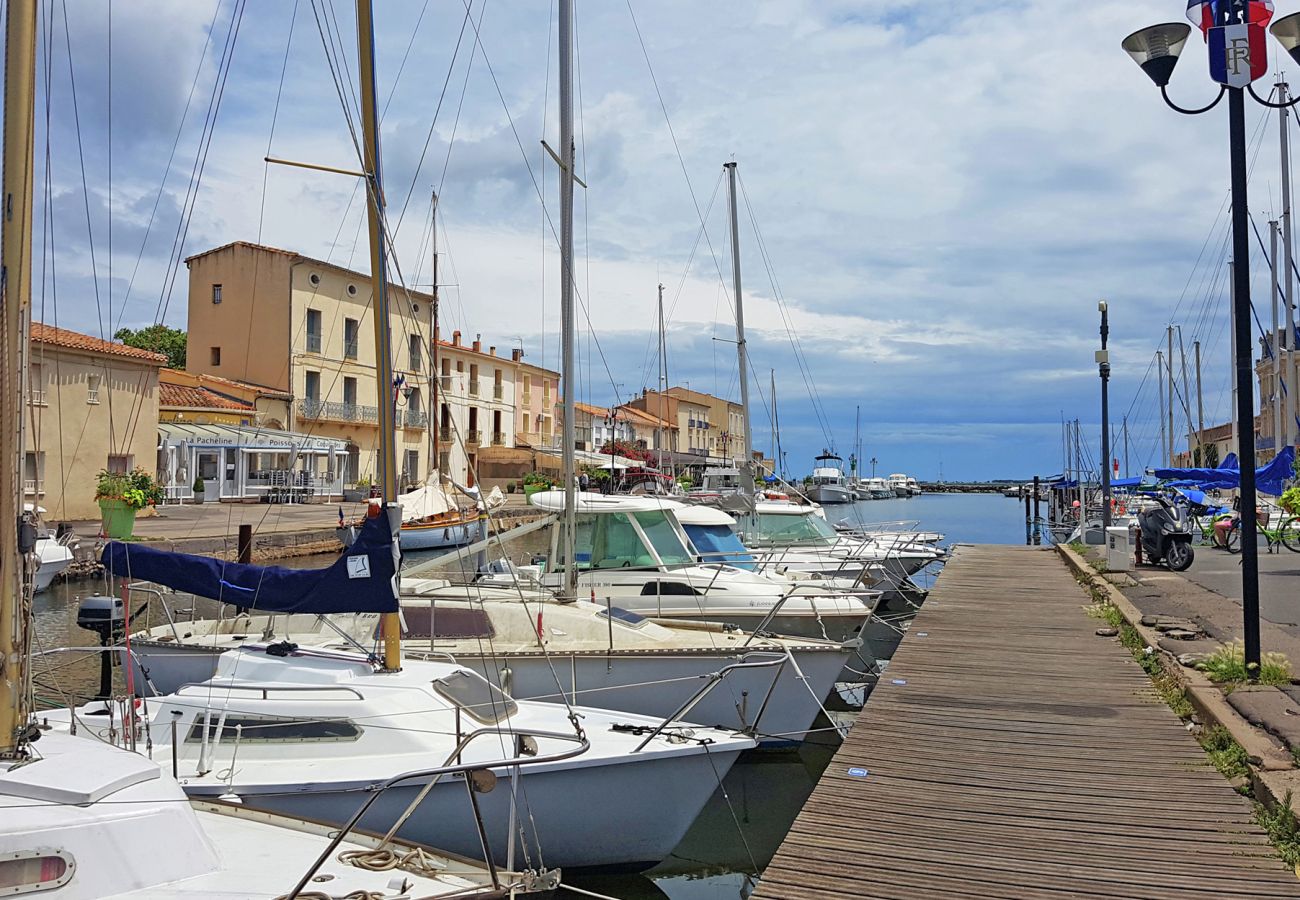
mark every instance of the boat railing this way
{"type": "Point", "coordinates": [265, 689]}
{"type": "Point", "coordinates": [479, 778]}
{"type": "Point", "coordinates": [777, 659]}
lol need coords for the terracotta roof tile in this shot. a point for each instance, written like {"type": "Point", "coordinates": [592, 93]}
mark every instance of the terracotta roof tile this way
{"type": "Point", "coordinates": [197, 398]}
{"type": "Point", "coordinates": [591, 410]}
{"type": "Point", "coordinates": [75, 340]}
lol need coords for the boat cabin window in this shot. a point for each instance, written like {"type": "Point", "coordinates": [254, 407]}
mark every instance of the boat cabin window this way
{"type": "Point", "coordinates": [32, 871]}
{"type": "Point", "coordinates": [668, 589]}
{"type": "Point", "coordinates": [477, 696]}
{"type": "Point", "coordinates": [719, 544]}
{"type": "Point", "coordinates": [787, 530]}
{"type": "Point", "coordinates": [626, 616]}
{"type": "Point", "coordinates": [273, 729]}
{"type": "Point", "coordinates": [664, 538]}
{"type": "Point", "coordinates": [446, 622]}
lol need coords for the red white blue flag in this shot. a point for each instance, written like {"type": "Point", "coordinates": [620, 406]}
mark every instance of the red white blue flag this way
{"type": "Point", "coordinates": [1206, 14]}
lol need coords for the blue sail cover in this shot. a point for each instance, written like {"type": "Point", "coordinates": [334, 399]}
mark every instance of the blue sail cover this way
{"type": "Point", "coordinates": [719, 544]}
{"type": "Point", "coordinates": [361, 580]}
{"type": "Point", "coordinates": [1270, 479]}
{"type": "Point", "coordinates": [1230, 462]}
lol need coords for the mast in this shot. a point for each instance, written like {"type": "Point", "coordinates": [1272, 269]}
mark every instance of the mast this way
{"type": "Point", "coordinates": [1169, 372]}
{"type": "Point", "coordinates": [1284, 97]}
{"type": "Point", "coordinates": [1232, 319]}
{"type": "Point", "coordinates": [1126, 474]}
{"type": "Point", "coordinates": [387, 461]}
{"type": "Point", "coordinates": [1160, 368]}
{"type": "Point", "coordinates": [772, 378]}
{"type": "Point", "coordinates": [857, 440]}
{"type": "Point", "coordinates": [1200, 406]}
{"type": "Point", "coordinates": [741, 354]}
{"type": "Point", "coordinates": [567, 320]}
{"type": "Point", "coordinates": [1183, 400]}
{"type": "Point", "coordinates": [663, 380]}
{"type": "Point", "coordinates": [15, 300]}
{"type": "Point", "coordinates": [435, 378]}
{"type": "Point", "coordinates": [1275, 337]}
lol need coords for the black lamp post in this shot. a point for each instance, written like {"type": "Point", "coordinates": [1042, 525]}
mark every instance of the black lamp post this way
{"type": "Point", "coordinates": [1103, 368]}
{"type": "Point", "coordinates": [1238, 55]}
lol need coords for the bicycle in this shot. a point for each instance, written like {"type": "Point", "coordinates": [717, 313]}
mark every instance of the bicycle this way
{"type": "Point", "coordinates": [1286, 534]}
{"type": "Point", "coordinates": [1204, 524]}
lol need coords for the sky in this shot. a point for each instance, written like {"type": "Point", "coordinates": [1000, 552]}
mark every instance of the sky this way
{"type": "Point", "coordinates": [934, 197]}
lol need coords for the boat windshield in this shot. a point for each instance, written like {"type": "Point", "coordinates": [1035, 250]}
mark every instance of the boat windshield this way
{"type": "Point", "coordinates": [664, 538]}
{"type": "Point", "coordinates": [477, 696]}
{"type": "Point", "coordinates": [788, 530]}
{"type": "Point", "coordinates": [641, 540]}
{"type": "Point", "coordinates": [719, 544]}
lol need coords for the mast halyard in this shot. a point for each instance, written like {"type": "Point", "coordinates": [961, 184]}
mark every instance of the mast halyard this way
{"type": "Point", "coordinates": [663, 380]}
{"type": "Point", "coordinates": [747, 467]}
{"type": "Point", "coordinates": [569, 591]}
{"type": "Point", "coordinates": [435, 378]}
{"type": "Point", "coordinates": [387, 461]}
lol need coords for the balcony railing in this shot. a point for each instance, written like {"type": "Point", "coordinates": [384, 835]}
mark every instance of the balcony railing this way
{"type": "Point", "coordinates": [414, 418]}
{"type": "Point", "coordinates": [473, 437]}
{"type": "Point", "coordinates": [341, 412]}
{"type": "Point", "coordinates": [36, 398]}
{"type": "Point", "coordinates": [498, 438]}
{"type": "Point", "coordinates": [497, 392]}
{"type": "Point", "coordinates": [473, 387]}
{"type": "Point", "coordinates": [313, 342]}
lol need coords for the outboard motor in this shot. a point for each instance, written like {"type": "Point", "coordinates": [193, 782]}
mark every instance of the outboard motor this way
{"type": "Point", "coordinates": [1165, 536]}
{"type": "Point", "coordinates": [106, 616]}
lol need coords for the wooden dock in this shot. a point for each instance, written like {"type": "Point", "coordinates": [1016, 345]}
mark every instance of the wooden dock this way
{"type": "Point", "coordinates": [1011, 752]}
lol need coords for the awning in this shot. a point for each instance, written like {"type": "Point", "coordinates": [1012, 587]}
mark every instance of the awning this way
{"type": "Point", "coordinates": [599, 460]}
{"type": "Point", "coordinates": [249, 438]}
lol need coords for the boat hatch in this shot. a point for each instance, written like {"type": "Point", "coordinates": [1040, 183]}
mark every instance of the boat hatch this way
{"type": "Point", "coordinates": [272, 729]}
{"type": "Point", "coordinates": [475, 695]}
{"type": "Point", "coordinates": [446, 622]}
{"type": "Point", "coordinates": [626, 616]}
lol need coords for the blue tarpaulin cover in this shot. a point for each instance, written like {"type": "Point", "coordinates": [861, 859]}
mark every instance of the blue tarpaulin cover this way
{"type": "Point", "coordinates": [361, 580]}
{"type": "Point", "coordinates": [719, 544]}
{"type": "Point", "coordinates": [1269, 479]}
{"type": "Point", "coordinates": [1230, 462]}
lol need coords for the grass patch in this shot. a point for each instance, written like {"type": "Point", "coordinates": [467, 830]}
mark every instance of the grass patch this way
{"type": "Point", "coordinates": [1227, 666]}
{"type": "Point", "coordinates": [1228, 756]}
{"type": "Point", "coordinates": [1283, 830]}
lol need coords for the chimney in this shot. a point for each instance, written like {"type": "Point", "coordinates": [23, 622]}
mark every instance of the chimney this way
{"type": "Point", "coordinates": [516, 354]}
{"type": "Point", "coordinates": [492, 351]}
{"type": "Point", "coordinates": [478, 343]}
{"type": "Point", "coordinates": [455, 338]}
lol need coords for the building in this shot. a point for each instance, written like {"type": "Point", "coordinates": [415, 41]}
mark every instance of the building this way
{"type": "Point", "coordinates": [191, 396]}
{"type": "Point", "coordinates": [537, 394]}
{"type": "Point", "coordinates": [92, 405]}
{"type": "Point", "coordinates": [719, 430]}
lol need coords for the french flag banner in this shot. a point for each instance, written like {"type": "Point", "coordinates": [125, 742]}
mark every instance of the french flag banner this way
{"type": "Point", "coordinates": [1238, 54]}
{"type": "Point", "coordinates": [1205, 14]}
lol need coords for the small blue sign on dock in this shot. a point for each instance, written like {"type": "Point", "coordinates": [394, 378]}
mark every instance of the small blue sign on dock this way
{"type": "Point", "coordinates": [858, 772]}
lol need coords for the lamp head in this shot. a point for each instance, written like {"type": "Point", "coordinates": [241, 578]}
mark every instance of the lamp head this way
{"type": "Point", "coordinates": [1156, 49]}
{"type": "Point", "coordinates": [1101, 305]}
{"type": "Point", "coordinates": [1287, 32]}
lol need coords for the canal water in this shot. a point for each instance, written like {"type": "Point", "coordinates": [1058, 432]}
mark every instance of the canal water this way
{"type": "Point", "coordinates": [744, 822]}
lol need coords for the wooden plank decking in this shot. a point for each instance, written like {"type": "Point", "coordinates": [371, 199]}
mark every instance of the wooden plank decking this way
{"type": "Point", "coordinates": [1010, 752]}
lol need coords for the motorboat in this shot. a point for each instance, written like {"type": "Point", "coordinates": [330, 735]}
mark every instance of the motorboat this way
{"type": "Point", "coordinates": [635, 552]}
{"type": "Point", "coordinates": [860, 490]}
{"type": "Point", "coordinates": [519, 637]}
{"type": "Point", "coordinates": [879, 489]}
{"type": "Point", "coordinates": [898, 484]}
{"type": "Point", "coordinates": [913, 486]}
{"type": "Point", "coordinates": [309, 732]}
{"type": "Point", "coordinates": [53, 555]}
{"type": "Point", "coordinates": [829, 485]}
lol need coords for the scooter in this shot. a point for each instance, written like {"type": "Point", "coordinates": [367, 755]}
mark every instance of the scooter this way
{"type": "Point", "coordinates": [1165, 535]}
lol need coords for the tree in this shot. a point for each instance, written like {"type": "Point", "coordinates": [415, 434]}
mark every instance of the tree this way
{"type": "Point", "coordinates": [160, 339]}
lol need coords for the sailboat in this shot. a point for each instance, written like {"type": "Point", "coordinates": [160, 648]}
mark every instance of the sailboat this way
{"type": "Point", "coordinates": [77, 810]}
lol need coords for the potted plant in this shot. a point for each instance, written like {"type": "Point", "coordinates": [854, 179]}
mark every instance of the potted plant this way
{"type": "Point", "coordinates": [534, 482]}
{"type": "Point", "coordinates": [198, 488]}
{"type": "Point", "coordinates": [358, 493]}
{"type": "Point", "coordinates": [121, 495]}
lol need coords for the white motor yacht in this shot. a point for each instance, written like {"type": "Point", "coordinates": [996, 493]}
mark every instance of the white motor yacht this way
{"type": "Point", "coordinates": [310, 732]}
{"type": "Point", "coordinates": [879, 489]}
{"type": "Point", "coordinates": [635, 552]}
{"type": "Point", "coordinates": [898, 484]}
{"type": "Point", "coordinates": [829, 485]}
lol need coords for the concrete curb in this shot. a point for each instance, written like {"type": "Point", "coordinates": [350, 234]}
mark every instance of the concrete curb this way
{"type": "Point", "coordinates": [1273, 771]}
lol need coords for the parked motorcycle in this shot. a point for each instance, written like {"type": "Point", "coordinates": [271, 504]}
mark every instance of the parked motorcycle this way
{"type": "Point", "coordinates": [1166, 537]}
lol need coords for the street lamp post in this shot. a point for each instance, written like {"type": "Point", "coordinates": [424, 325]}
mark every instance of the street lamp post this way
{"type": "Point", "coordinates": [1103, 368]}
{"type": "Point", "coordinates": [1234, 33]}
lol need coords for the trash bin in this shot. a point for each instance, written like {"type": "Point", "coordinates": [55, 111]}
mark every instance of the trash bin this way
{"type": "Point", "coordinates": [1119, 549]}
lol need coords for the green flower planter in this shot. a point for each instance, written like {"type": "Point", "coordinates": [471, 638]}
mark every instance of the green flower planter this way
{"type": "Point", "coordinates": [118, 518]}
{"type": "Point", "coordinates": [530, 489]}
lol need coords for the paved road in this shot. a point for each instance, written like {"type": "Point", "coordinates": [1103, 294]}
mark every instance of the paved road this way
{"type": "Point", "coordinates": [1279, 586]}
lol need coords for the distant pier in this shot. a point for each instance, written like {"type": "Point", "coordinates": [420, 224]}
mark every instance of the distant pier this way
{"type": "Point", "coordinates": [1011, 752]}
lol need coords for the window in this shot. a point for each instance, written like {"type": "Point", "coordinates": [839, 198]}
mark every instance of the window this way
{"type": "Point", "coordinates": [496, 385]}
{"type": "Point", "coordinates": [92, 388]}
{"type": "Point", "coordinates": [36, 377]}
{"type": "Point", "coordinates": [350, 331]}
{"type": "Point", "coordinates": [216, 293]}
{"type": "Point", "coordinates": [352, 290]}
{"type": "Point", "coordinates": [349, 391]}
{"type": "Point", "coordinates": [414, 404]}
{"type": "Point", "coordinates": [313, 331]}
{"type": "Point", "coordinates": [33, 471]}
{"type": "Point", "coordinates": [416, 351]}
{"type": "Point", "coordinates": [120, 463]}
{"type": "Point", "coordinates": [312, 385]}
{"type": "Point", "coordinates": [273, 729]}
{"type": "Point", "coordinates": [33, 871]}
{"type": "Point", "coordinates": [216, 356]}
{"type": "Point", "coordinates": [473, 380]}
{"type": "Point", "coordinates": [475, 695]}
{"type": "Point", "coordinates": [314, 279]}
{"type": "Point", "coordinates": [411, 464]}
{"type": "Point", "coordinates": [664, 538]}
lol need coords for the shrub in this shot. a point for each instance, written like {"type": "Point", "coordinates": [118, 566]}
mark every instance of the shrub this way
{"type": "Point", "coordinates": [137, 488]}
